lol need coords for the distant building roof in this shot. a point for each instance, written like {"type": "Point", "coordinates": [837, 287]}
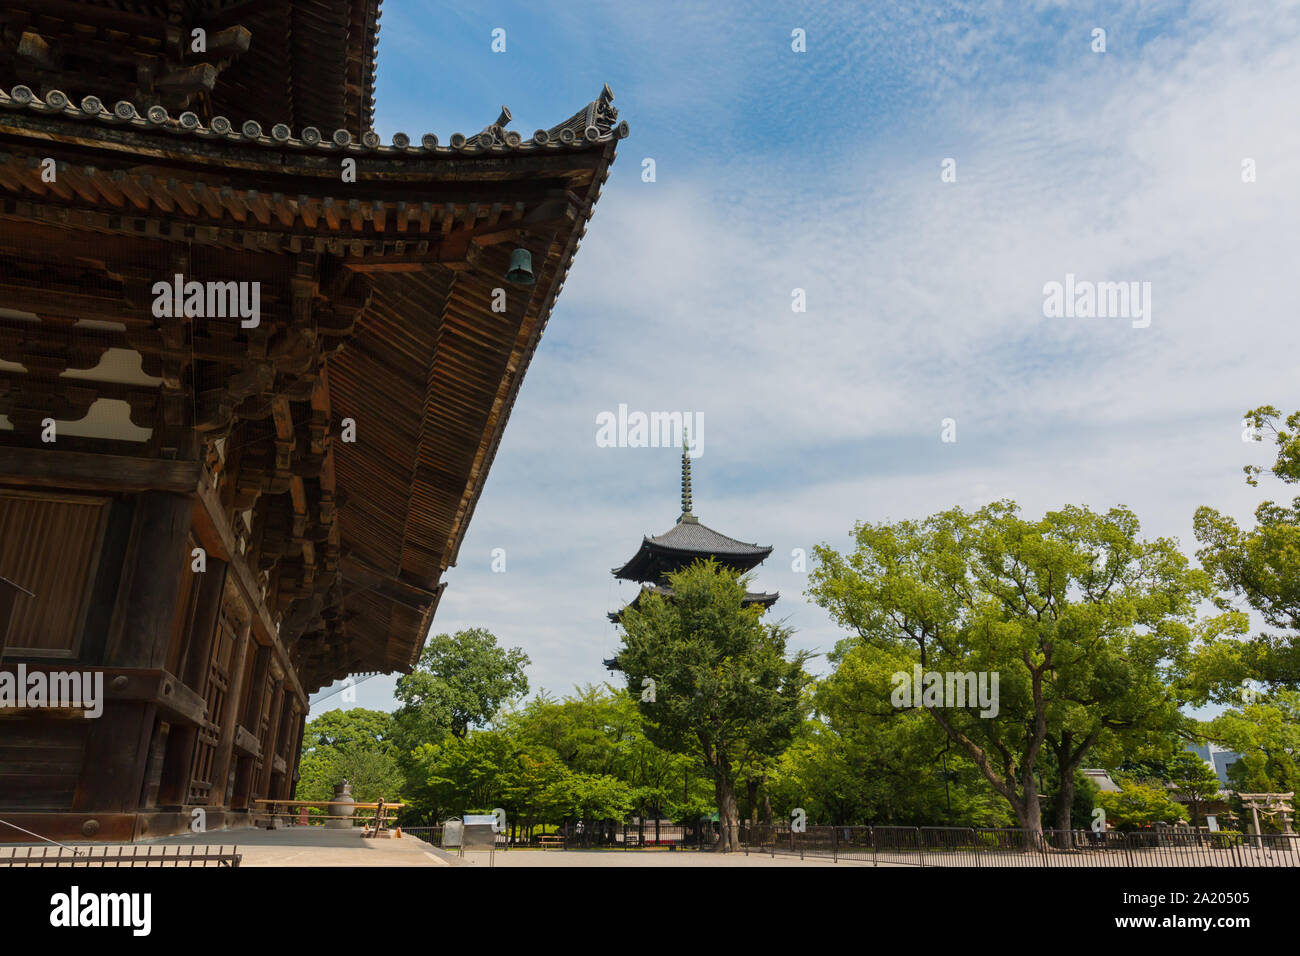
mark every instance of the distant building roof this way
{"type": "Point", "coordinates": [1102, 779]}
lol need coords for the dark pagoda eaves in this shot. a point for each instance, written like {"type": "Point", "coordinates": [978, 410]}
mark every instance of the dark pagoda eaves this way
{"type": "Point", "coordinates": [687, 541]}
{"type": "Point", "coordinates": [764, 598]}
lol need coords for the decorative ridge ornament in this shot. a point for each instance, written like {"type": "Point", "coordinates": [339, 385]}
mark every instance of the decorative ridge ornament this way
{"type": "Point", "coordinates": [593, 124]}
{"type": "Point", "coordinates": [686, 479]}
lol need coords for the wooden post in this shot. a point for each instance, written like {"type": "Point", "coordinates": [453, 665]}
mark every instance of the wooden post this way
{"type": "Point", "coordinates": [119, 747]}
{"type": "Point", "coordinates": [230, 719]}
{"type": "Point", "coordinates": [263, 784]}
{"type": "Point", "coordinates": [159, 550]}
{"type": "Point", "coordinates": [194, 666]}
{"type": "Point", "coordinates": [178, 766]}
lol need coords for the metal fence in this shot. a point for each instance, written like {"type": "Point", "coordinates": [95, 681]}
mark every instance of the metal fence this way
{"type": "Point", "coordinates": [599, 834]}
{"type": "Point", "coordinates": [607, 834]}
{"type": "Point", "coordinates": [964, 846]}
{"type": "Point", "coordinates": [118, 856]}
{"type": "Point", "coordinates": [431, 835]}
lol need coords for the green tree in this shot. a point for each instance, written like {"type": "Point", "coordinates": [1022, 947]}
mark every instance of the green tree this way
{"type": "Point", "coordinates": [1193, 779]}
{"type": "Point", "coordinates": [461, 681]}
{"type": "Point", "coordinates": [354, 745]}
{"type": "Point", "coordinates": [1260, 566]}
{"type": "Point", "coordinates": [372, 729]}
{"type": "Point", "coordinates": [724, 689]}
{"type": "Point", "coordinates": [599, 731]}
{"type": "Point", "coordinates": [1266, 732]}
{"type": "Point", "coordinates": [861, 760]}
{"type": "Point", "coordinates": [1087, 628]}
{"type": "Point", "coordinates": [1139, 805]}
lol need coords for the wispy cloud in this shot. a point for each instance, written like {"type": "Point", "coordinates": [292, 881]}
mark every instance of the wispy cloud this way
{"type": "Point", "coordinates": [924, 298]}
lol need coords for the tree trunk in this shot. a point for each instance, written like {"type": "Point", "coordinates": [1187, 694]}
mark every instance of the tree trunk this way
{"type": "Point", "coordinates": [728, 815]}
{"type": "Point", "coordinates": [1030, 813]}
{"type": "Point", "coordinates": [1063, 810]}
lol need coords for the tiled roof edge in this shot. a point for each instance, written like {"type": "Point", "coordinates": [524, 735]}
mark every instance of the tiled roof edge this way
{"type": "Point", "coordinates": [493, 140]}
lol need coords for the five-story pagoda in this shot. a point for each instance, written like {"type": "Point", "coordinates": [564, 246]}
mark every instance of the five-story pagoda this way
{"type": "Point", "coordinates": [683, 544]}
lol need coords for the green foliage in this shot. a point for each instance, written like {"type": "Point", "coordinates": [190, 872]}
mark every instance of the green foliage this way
{"type": "Point", "coordinates": [353, 745]}
{"type": "Point", "coordinates": [1194, 780]}
{"type": "Point", "coordinates": [461, 681]}
{"type": "Point", "coordinates": [1089, 628]}
{"type": "Point", "coordinates": [724, 690]}
{"type": "Point", "coordinates": [1260, 566]}
{"type": "Point", "coordinates": [1266, 732]}
{"type": "Point", "coordinates": [1139, 805]}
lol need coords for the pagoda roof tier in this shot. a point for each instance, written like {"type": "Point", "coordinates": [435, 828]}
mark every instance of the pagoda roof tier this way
{"type": "Point", "coordinates": [303, 62]}
{"type": "Point", "coordinates": [377, 306]}
{"type": "Point", "coordinates": [763, 598]}
{"type": "Point", "coordinates": [685, 542]}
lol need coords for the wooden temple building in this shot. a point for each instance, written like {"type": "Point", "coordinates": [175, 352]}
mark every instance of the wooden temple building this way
{"type": "Point", "coordinates": [255, 365]}
{"type": "Point", "coordinates": [680, 546]}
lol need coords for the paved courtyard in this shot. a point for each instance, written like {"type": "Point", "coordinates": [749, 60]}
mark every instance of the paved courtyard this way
{"type": "Point", "coordinates": [312, 846]}
{"type": "Point", "coordinates": [613, 858]}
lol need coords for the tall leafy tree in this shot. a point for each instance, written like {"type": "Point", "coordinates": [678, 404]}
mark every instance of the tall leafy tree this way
{"type": "Point", "coordinates": [724, 688]}
{"type": "Point", "coordinates": [461, 681]}
{"type": "Point", "coordinates": [1087, 628]}
{"type": "Point", "coordinates": [1260, 566]}
{"type": "Point", "coordinates": [1194, 780]}
{"type": "Point", "coordinates": [1265, 730]}
{"type": "Point", "coordinates": [354, 745]}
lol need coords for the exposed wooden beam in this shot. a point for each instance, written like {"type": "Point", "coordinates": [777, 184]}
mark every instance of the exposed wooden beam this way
{"type": "Point", "coordinates": [71, 469]}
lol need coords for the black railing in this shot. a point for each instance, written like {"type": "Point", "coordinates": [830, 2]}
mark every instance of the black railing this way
{"type": "Point", "coordinates": [590, 835]}
{"type": "Point", "coordinates": [119, 856]}
{"type": "Point", "coordinates": [965, 846]}
{"type": "Point", "coordinates": [431, 835]}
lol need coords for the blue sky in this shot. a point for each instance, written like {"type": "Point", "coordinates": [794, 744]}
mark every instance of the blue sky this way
{"type": "Point", "coordinates": [778, 170]}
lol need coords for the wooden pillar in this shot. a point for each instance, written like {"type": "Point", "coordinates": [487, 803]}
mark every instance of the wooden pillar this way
{"type": "Point", "coordinates": [178, 766]}
{"type": "Point", "coordinates": [119, 747]}
{"type": "Point", "coordinates": [198, 653]}
{"type": "Point", "coordinates": [117, 751]}
{"type": "Point", "coordinates": [159, 551]}
{"type": "Point", "coordinates": [295, 756]}
{"type": "Point", "coordinates": [230, 718]}
{"type": "Point", "coordinates": [272, 739]}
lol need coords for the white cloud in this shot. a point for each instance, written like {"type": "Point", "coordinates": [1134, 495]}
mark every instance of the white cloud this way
{"type": "Point", "coordinates": [924, 301]}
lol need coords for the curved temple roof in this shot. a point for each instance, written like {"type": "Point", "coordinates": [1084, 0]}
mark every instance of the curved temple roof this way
{"type": "Point", "coordinates": [683, 543]}
{"type": "Point", "coordinates": [687, 541]}
{"type": "Point", "coordinates": [407, 259]}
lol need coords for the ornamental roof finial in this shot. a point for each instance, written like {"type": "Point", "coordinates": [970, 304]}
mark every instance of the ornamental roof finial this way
{"type": "Point", "coordinates": [686, 475]}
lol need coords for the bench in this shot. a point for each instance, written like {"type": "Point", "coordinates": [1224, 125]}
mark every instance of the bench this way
{"type": "Point", "coordinates": [551, 841]}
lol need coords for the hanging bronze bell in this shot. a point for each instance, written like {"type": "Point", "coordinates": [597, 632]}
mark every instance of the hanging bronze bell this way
{"type": "Point", "coordinates": [521, 268]}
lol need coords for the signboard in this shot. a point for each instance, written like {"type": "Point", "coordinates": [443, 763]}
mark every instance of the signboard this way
{"type": "Point", "coordinates": [480, 831]}
{"type": "Point", "coordinates": [451, 833]}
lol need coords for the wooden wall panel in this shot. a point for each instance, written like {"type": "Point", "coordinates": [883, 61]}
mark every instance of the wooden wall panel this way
{"type": "Point", "coordinates": [50, 545]}
{"type": "Point", "coordinates": [40, 761]}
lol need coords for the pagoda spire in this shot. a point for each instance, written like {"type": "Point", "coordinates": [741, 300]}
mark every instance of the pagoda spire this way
{"type": "Point", "coordinates": [686, 477]}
